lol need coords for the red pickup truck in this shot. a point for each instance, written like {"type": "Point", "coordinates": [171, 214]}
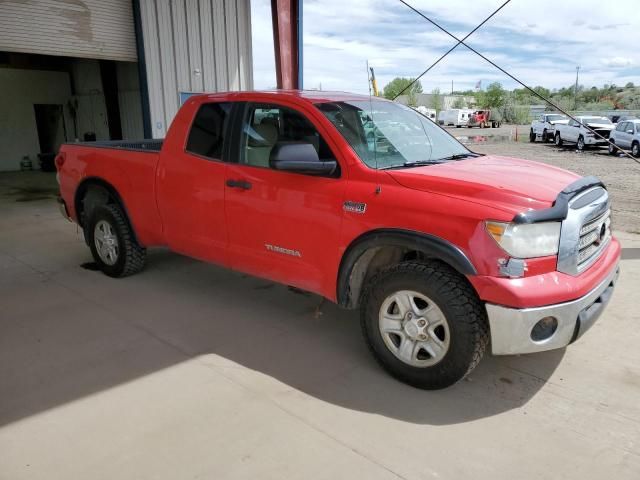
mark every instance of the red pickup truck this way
{"type": "Point", "coordinates": [442, 249]}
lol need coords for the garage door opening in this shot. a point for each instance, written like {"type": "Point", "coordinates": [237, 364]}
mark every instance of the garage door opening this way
{"type": "Point", "coordinates": [51, 100]}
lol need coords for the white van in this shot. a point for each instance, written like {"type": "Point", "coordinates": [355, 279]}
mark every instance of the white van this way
{"type": "Point", "coordinates": [430, 113]}
{"type": "Point", "coordinates": [457, 117]}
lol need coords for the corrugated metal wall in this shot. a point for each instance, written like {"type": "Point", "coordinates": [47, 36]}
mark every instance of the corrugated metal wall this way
{"type": "Point", "coordinates": [194, 46]}
{"type": "Point", "coordinates": [73, 28]}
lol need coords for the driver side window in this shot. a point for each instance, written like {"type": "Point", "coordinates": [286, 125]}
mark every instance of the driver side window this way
{"type": "Point", "coordinates": [267, 126]}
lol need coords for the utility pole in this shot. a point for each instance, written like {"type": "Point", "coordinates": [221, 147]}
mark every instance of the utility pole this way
{"type": "Point", "coordinates": [451, 87]}
{"type": "Point", "coordinates": [575, 93]}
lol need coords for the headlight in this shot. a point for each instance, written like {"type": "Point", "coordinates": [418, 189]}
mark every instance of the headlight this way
{"type": "Point", "coordinates": [527, 240]}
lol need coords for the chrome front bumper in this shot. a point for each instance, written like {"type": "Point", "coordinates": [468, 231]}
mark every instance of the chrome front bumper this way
{"type": "Point", "coordinates": [511, 327]}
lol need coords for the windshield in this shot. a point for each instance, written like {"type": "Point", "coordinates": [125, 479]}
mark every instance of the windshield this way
{"type": "Point", "coordinates": [387, 135]}
{"type": "Point", "coordinates": [586, 120]}
{"type": "Point", "coordinates": [553, 118]}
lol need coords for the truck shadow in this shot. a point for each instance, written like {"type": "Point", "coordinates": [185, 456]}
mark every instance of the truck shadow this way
{"type": "Point", "coordinates": [181, 310]}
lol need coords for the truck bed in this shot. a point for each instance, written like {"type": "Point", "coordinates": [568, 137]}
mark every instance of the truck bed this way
{"type": "Point", "coordinates": [146, 145]}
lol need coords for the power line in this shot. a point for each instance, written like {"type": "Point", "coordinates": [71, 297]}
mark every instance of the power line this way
{"type": "Point", "coordinates": [450, 50]}
{"type": "Point", "coordinates": [461, 42]}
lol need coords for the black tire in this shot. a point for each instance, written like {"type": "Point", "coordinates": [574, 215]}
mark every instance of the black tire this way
{"type": "Point", "coordinates": [612, 148]}
{"type": "Point", "coordinates": [545, 136]}
{"type": "Point", "coordinates": [558, 140]}
{"type": "Point", "coordinates": [532, 136]}
{"type": "Point", "coordinates": [465, 316]}
{"type": "Point", "coordinates": [635, 149]}
{"type": "Point", "coordinates": [131, 256]}
{"type": "Point", "coordinates": [580, 145]}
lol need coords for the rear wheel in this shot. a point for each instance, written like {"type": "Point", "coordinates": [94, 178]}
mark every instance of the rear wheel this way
{"type": "Point", "coordinates": [558, 140]}
{"type": "Point", "coordinates": [635, 149]}
{"type": "Point", "coordinates": [424, 324]}
{"type": "Point", "coordinates": [581, 145]}
{"type": "Point", "coordinates": [112, 242]}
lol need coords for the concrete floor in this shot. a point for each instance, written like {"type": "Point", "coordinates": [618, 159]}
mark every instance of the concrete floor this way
{"type": "Point", "coordinates": [190, 371]}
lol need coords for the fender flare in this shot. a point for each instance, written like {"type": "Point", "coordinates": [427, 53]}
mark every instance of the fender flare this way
{"type": "Point", "coordinates": [85, 184]}
{"type": "Point", "coordinates": [431, 245]}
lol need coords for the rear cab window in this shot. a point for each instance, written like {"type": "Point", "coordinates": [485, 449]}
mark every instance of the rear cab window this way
{"type": "Point", "coordinates": [209, 130]}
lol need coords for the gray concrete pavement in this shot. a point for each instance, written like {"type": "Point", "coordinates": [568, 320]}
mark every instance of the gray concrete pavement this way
{"type": "Point", "coordinates": [190, 371]}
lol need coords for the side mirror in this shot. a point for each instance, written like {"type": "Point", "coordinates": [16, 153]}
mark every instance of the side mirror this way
{"type": "Point", "coordinates": [630, 131]}
{"type": "Point", "coordinates": [300, 158]}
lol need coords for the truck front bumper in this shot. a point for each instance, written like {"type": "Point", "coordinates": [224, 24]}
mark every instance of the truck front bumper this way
{"type": "Point", "coordinates": [511, 328]}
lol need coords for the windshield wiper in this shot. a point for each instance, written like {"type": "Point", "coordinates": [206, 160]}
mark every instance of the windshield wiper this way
{"type": "Point", "coordinates": [459, 156]}
{"type": "Point", "coordinates": [416, 163]}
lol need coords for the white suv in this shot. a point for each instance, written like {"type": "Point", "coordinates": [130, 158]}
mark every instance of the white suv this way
{"type": "Point", "coordinates": [626, 135]}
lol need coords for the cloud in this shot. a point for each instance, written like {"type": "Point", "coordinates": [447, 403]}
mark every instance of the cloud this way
{"type": "Point", "coordinates": [617, 62]}
{"type": "Point", "coordinates": [540, 42]}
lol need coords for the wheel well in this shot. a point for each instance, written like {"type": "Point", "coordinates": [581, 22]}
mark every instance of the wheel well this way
{"type": "Point", "coordinates": [91, 193]}
{"type": "Point", "coordinates": [376, 251]}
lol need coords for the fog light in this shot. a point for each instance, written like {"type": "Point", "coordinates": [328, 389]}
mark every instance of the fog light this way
{"type": "Point", "coordinates": [544, 329]}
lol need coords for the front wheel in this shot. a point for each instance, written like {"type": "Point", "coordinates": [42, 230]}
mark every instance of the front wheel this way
{"type": "Point", "coordinates": [112, 242]}
{"type": "Point", "coordinates": [581, 145]}
{"type": "Point", "coordinates": [612, 148]}
{"type": "Point", "coordinates": [635, 149]}
{"type": "Point", "coordinates": [558, 140]}
{"type": "Point", "coordinates": [424, 324]}
{"type": "Point", "coordinates": [532, 136]}
{"type": "Point", "coordinates": [545, 136]}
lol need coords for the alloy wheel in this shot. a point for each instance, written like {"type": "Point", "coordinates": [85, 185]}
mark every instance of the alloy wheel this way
{"type": "Point", "coordinates": [414, 328]}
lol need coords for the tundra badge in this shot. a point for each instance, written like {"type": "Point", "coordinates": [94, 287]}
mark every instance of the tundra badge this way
{"type": "Point", "coordinates": [286, 251]}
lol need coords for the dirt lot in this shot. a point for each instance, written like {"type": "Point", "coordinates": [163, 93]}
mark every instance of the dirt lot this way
{"type": "Point", "coordinates": [620, 174]}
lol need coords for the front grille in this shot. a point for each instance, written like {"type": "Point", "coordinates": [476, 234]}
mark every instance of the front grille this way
{"type": "Point", "coordinates": [585, 232]}
{"type": "Point", "coordinates": [604, 133]}
{"type": "Point", "coordinates": [594, 236]}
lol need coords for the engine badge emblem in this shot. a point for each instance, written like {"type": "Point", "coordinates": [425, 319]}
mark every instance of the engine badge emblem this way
{"type": "Point", "coordinates": [354, 207]}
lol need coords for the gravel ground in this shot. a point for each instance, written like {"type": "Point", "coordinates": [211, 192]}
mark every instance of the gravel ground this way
{"type": "Point", "coordinates": [620, 174]}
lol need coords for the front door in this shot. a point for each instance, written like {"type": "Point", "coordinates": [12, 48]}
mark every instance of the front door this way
{"type": "Point", "coordinates": [282, 225]}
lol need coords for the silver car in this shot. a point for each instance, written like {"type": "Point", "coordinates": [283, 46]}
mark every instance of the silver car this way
{"type": "Point", "coordinates": [626, 136]}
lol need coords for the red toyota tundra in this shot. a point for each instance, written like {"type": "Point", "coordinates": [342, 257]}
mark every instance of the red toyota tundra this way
{"type": "Point", "coordinates": [368, 204]}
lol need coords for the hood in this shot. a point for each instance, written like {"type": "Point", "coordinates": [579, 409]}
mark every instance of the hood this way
{"type": "Point", "coordinates": [509, 184]}
{"type": "Point", "coordinates": [602, 126]}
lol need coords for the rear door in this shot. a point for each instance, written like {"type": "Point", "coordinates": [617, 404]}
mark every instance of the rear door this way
{"type": "Point", "coordinates": [191, 186]}
{"type": "Point", "coordinates": [282, 225]}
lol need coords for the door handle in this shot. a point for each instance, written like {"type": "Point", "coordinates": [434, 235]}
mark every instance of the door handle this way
{"type": "Point", "coordinates": [243, 184]}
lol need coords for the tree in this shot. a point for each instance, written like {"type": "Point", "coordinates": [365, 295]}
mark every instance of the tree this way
{"type": "Point", "coordinates": [435, 101]}
{"type": "Point", "coordinates": [398, 84]}
{"type": "Point", "coordinates": [493, 97]}
{"type": "Point", "coordinates": [459, 103]}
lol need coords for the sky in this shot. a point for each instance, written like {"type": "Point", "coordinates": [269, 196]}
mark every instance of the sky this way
{"type": "Point", "coordinates": [540, 42]}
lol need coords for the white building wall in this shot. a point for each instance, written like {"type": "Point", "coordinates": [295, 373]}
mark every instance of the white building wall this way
{"type": "Point", "coordinates": [19, 91]}
{"type": "Point", "coordinates": [193, 46]}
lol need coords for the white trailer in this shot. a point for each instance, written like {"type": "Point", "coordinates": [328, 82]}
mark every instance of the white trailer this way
{"type": "Point", "coordinates": [457, 117]}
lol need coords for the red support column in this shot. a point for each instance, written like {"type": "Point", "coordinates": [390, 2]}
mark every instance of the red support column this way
{"type": "Point", "coordinates": [286, 38]}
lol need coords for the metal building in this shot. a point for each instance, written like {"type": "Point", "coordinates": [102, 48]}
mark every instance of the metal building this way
{"type": "Point", "coordinates": [117, 69]}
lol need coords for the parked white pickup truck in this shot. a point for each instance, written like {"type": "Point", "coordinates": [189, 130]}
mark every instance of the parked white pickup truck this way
{"type": "Point", "coordinates": [574, 132]}
{"type": "Point", "coordinates": [544, 127]}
